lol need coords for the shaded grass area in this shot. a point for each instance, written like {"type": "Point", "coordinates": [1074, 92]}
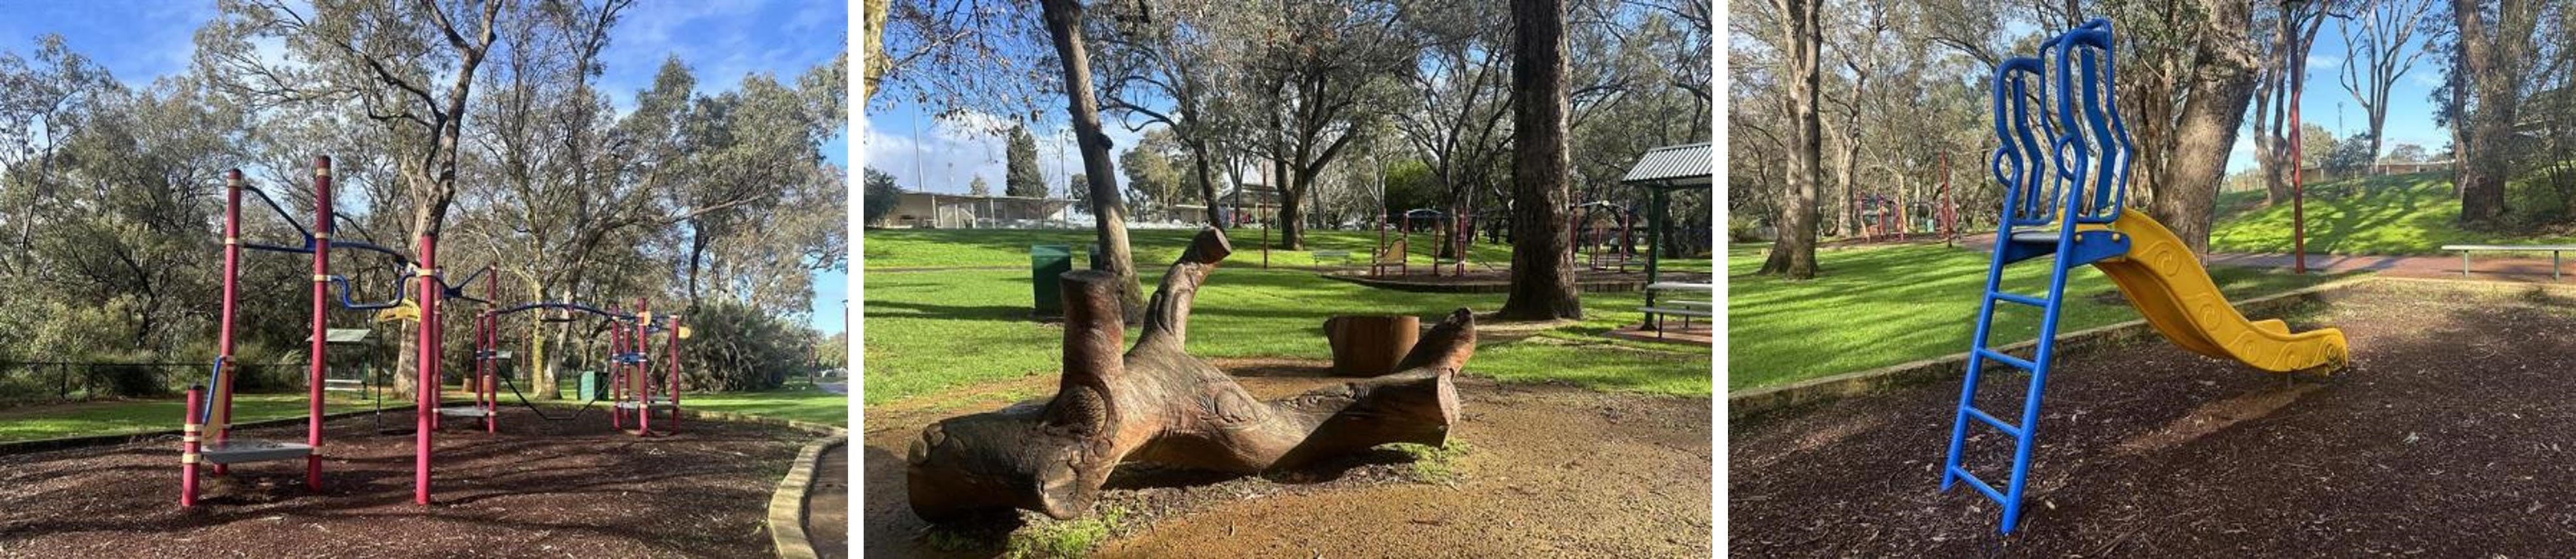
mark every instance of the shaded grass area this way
{"type": "Point", "coordinates": [2412, 214]}
{"type": "Point", "coordinates": [931, 331]}
{"type": "Point", "coordinates": [140, 416]}
{"type": "Point", "coordinates": [1878, 306]}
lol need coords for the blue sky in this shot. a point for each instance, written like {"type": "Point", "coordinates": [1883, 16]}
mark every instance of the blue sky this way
{"type": "Point", "coordinates": [905, 141]}
{"type": "Point", "coordinates": [721, 40]}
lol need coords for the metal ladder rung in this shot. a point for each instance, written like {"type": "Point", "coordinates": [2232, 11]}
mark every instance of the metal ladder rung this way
{"type": "Point", "coordinates": [2024, 364]}
{"type": "Point", "coordinates": [1980, 484]}
{"type": "Point", "coordinates": [1991, 420]}
{"type": "Point", "coordinates": [2019, 298]}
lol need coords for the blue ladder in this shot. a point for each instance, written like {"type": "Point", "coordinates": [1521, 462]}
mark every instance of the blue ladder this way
{"type": "Point", "coordinates": [2038, 200]}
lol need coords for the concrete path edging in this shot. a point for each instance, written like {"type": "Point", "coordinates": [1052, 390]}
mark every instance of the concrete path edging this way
{"type": "Point", "coordinates": [1758, 401]}
{"type": "Point", "coordinates": [787, 502]}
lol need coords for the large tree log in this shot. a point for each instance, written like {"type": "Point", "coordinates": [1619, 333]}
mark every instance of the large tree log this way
{"type": "Point", "coordinates": [1158, 404]}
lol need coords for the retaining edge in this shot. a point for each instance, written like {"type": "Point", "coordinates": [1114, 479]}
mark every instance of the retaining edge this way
{"type": "Point", "coordinates": [787, 502]}
{"type": "Point", "coordinates": [1758, 401]}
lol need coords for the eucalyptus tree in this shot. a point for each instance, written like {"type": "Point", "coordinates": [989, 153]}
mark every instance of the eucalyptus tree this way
{"type": "Point", "coordinates": [2381, 46]}
{"type": "Point", "coordinates": [1323, 72]}
{"type": "Point", "coordinates": [1460, 95]}
{"type": "Point", "coordinates": [1542, 280]}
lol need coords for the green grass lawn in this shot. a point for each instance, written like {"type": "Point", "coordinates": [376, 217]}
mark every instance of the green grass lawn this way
{"type": "Point", "coordinates": [801, 404]}
{"type": "Point", "coordinates": [2412, 214]}
{"type": "Point", "coordinates": [899, 249]}
{"type": "Point", "coordinates": [139, 416]}
{"type": "Point", "coordinates": [1879, 306]}
{"type": "Point", "coordinates": [930, 331]}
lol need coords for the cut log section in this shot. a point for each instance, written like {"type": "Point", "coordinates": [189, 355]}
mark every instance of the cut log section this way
{"type": "Point", "coordinates": [1369, 345]}
{"type": "Point", "coordinates": [1157, 404]}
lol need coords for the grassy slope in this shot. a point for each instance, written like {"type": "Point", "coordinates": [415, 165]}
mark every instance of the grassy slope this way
{"type": "Point", "coordinates": [929, 331]}
{"type": "Point", "coordinates": [2411, 214]}
{"type": "Point", "coordinates": [1880, 306]}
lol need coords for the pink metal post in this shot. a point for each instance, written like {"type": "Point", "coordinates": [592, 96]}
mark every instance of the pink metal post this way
{"type": "Point", "coordinates": [491, 350]}
{"type": "Point", "coordinates": [427, 369]}
{"type": "Point", "coordinates": [616, 377]}
{"type": "Point", "coordinates": [643, 375]}
{"type": "Point", "coordinates": [224, 336]}
{"type": "Point", "coordinates": [322, 227]}
{"type": "Point", "coordinates": [188, 443]}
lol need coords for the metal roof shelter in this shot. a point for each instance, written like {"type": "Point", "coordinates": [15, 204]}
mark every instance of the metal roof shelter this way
{"type": "Point", "coordinates": [1661, 171]}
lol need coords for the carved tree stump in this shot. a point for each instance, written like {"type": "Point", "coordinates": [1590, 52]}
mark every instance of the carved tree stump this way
{"type": "Point", "coordinates": [1158, 404]}
{"type": "Point", "coordinates": [1370, 345]}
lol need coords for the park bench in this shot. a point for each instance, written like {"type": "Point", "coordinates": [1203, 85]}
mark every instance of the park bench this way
{"type": "Point", "coordinates": [1685, 308]}
{"type": "Point", "coordinates": [1339, 257]}
{"type": "Point", "coordinates": [2553, 251]}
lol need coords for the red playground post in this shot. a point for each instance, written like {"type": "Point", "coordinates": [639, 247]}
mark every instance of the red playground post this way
{"type": "Point", "coordinates": [323, 225]}
{"type": "Point", "coordinates": [188, 442]}
{"type": "Point", "coordinates": [427, 368]}
{"type": "Point", "coordinates": [643, 377]}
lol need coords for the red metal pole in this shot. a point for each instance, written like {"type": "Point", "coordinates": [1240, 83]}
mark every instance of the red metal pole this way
{"type": "Point", "coordinates": [616, 376]}
{"type": "Point", "coordinates": [188, 442]}
{"type": "Point", "coordinates": [323, 225]}
{"type": "Point", "coordinates": [643, 376]}
{"type": "Point", "coordinates": [224, 335]}
{"type": "Point", "coordinates": [491, 350]}
{"type": "Point", "coordinates": [427, 368]}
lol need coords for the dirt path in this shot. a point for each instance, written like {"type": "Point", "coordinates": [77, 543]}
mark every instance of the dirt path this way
{"type": "Point", "coordinates": [1548, 471]}
{"type": "Point", "coordinates": [827, 504]}
{"type": "Point", "coordinates": [2447, 436]}
{"type": "Point", "coordinates": [537, 488]}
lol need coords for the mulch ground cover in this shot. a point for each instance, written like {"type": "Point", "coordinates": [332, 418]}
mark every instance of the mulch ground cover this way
{"type": "Point", "coordinates": [2449, 435]}
{"type": "Point", "coordinates": [537, 488]}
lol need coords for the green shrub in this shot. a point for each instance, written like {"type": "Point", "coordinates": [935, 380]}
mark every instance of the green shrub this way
{"type": "Point", "coordinates": [735, 348]}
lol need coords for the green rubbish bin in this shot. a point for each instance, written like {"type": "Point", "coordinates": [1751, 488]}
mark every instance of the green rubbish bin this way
{"type": "Point", "coordinates": [594, 386]}
{"type": "Point", "coordinates": [1048, 263]}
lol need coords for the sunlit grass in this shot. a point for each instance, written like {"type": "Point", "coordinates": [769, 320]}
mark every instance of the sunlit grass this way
{"type": "Point", "coordinates": [930, 331]}
{"type": "Point", "coordinates": [1879, 306]}
{"type": "Point", "coordinates": [2412, 214]}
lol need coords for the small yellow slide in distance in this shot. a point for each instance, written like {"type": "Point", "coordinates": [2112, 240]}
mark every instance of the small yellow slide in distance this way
{"type": "Point", "coordinates": [2165, 281]}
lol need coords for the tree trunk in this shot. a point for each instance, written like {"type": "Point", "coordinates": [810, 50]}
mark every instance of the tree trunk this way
{"type": "Point", "coordinates": [1793, 254]}
{"type": "Point", "coordinates": [2492, 61]}
{"type": "Point", "coordinates": [2185, 190]}
{"type": "Point", "coordinates": [1542, 282]}
{"type": "Point", "coordinates": [1108, 208]}
{"type": "Point", "coordinates": [1207, 181]}
{"type": "Point", "coordinates": [1158, 404]}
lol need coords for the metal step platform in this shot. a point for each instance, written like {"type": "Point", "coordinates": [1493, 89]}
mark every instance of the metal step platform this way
{"type": "Point", "coordinates": [463, 411]}
{"type": "Point", "coordinates": [656, 403]}
{"type": "Point", "coordinates": [238, 451]}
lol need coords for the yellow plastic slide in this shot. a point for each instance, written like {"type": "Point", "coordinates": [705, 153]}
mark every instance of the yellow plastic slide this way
{"type": "Point", "coordinates": [2166, 283]}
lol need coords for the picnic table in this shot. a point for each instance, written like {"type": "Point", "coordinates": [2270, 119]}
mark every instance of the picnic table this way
{"type": "Point", "coordinates": [1656, 311]}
